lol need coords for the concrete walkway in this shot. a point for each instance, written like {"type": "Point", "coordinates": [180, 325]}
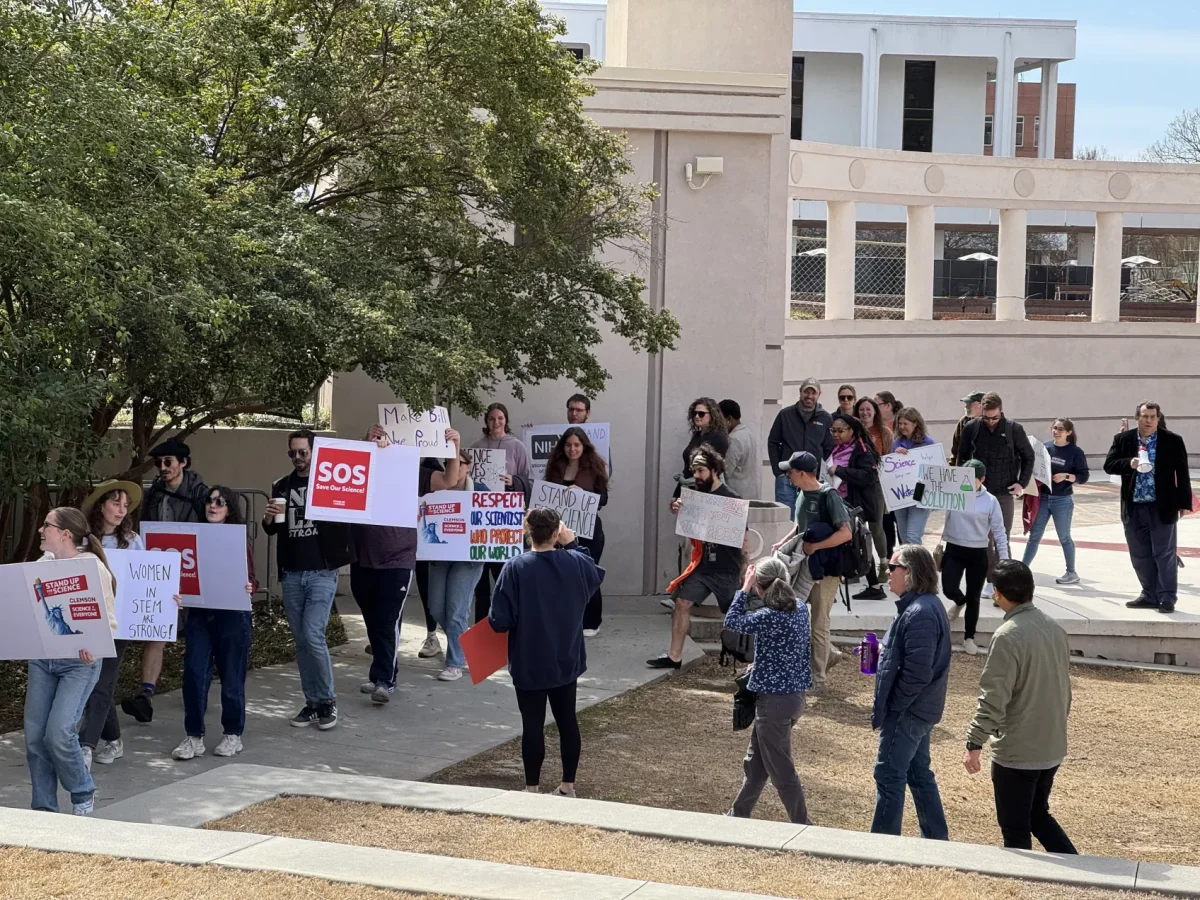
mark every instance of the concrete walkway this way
{"type": "Point", "coordinates": [427, 726]}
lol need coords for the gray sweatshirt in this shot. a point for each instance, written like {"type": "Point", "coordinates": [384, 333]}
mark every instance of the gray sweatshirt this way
{"type": "Point", "coordinates": [971, 529]}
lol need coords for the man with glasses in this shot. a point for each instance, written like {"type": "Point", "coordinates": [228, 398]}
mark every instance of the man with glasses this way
{"type": "Point", "coordinates": [803, 427]}
{"type": "Point", "coordinates": [847, 396]}
{"type": "Point", "coordinates": [177, 495]}
{"type": "Point", "coordinates": [579, 409]}
{"type": "Point", "coordinates": [309, 555]}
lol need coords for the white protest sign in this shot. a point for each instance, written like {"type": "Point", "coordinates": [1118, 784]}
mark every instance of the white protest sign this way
{"type": "Point", "coordinates": [1042, 470]}
{"type": "Point", "coordinates": [360, 482]}
{"type": "Point", "coordinates": [712, 518]}
{"type": "Point", "coordinates": [540, 441]}
{"type": "Point", "coordinates": [951, 488]}
{"type": "Point", "coordinates": [471, 526]}
{"type": "Point", "coordinates": [424, 430]}
{"type": "Point", "coordinates": [575, 506]}
{"type": "Point", "coordinates": [898, 474]}
{"type": "Point", "coordinates": [147, 582]}
{"type": "Point", "coordinates": [213, 571]}
{"type": "Point", "coordinates": [487, 467]}
{"type": "Point", "coordinates": [54, 609]}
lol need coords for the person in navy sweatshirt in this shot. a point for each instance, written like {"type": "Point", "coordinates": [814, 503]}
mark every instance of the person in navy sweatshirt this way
{"type": "Point", "coordinates": [539, 600]}
{"type": "Point", "coordinates": [1068, 467]}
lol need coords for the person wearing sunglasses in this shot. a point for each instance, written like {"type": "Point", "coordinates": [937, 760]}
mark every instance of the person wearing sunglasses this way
{"type": "Point", "coordinates": [847, 396]}
{"type": "Point", "coordinates": [1068, 467]}
{"type": "Point", "coordinates": [706, 425]}
{"type": "Point", "coordinates": [177, 495]}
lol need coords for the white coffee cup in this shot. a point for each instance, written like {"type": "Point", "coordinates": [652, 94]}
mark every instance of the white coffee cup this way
{"type": "Point", "coordinates": [280, 516]}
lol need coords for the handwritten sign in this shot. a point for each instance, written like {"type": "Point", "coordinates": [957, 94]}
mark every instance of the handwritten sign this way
{"type": "Point", "coordinates": [213, 571]}
{"type": "Point", "coordinates": [577, 508]}
{"type": "Point", "coordinates": [471, 526]}
{"type": "Point", "coordinates": [424, 430]}
{"type": "Point", "coordinates": [712, 518]}
{"type": "Point", "coordinates": [951, 488]}
{"type": "Point", "coordinates": [147, 582]}
{"type": "Point", "coordinates": [1042, 470]}
{"type": "Point", "coordinates": [54, 609]}
{"type": "Point", "coordinates": [898, 474]}
{"type": "Point", "coordinates": [487, 467]}
{"type": "Point", "coordinates": [540, 441]}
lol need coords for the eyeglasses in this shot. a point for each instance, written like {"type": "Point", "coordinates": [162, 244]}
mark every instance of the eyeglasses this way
{"type": "Point", "coordinates": [164, 462]}
{"type": "Point", "coordinates": [218, 502]}
{"type": "Point", "coordinates": [892, 567]}
{"type": "Point", "coordinates": [577, 409]}
{"type": "Point", "coordinates": [297, 454]}
{"type": "Point", "coordinates": [700, 414]}
{"type": "Point", "coordinates": [49, 524]}
{"type": "Point", "coordinates": [1057, 428]}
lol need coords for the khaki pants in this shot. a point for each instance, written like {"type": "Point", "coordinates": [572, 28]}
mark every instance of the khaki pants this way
{"type": "Point", "coordinates": [824, 655]}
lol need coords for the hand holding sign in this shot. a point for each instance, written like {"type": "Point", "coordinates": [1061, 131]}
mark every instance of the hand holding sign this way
{"type": "Point", "coordinates": [426, 431]}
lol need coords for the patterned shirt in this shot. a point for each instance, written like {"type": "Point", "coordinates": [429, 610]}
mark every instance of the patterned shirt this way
{"type": "Point", "coordinates": [782, 657]}
{"type": "Point", "coordinates": [1143, 482]}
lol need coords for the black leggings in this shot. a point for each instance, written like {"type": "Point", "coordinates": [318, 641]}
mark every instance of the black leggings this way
{"type": "Point", "coordinates": [533, 731]}
{"type": "Point", "coordinates": [423, 588]}
{"type": "Point", "coordinates": [483, 589]}
{"type": "Point", "coordinates": [974, 562]}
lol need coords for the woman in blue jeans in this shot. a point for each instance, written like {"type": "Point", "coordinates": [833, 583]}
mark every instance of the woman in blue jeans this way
{"type": "Point", "coordinates": [1068, 467]}
{"type": "Point", "coordinates": [219, 637]}
{"type": "Point", "coordinates": [58, 689]}
{"type": "Point", "coordinates": [911, 433]}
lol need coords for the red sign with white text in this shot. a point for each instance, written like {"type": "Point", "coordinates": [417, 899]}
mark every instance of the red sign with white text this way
{"type": "Point", "coordinates": [81, 611]}
{"type": "Point", "coordinates": [76, 584]}
{"type": "Point", "coordinates": [341, 479]}
{"type": "Point", "coordinates": [189, 571]}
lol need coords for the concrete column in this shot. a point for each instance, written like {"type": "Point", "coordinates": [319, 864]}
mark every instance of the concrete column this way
{"type": "Point", "coordinates": [1004, 125]}
{"type": "Point", "coordinates": [1049, 109]}
{"type": "Point", "coordinates": [869, 129]}
{"type": "Point", "coordinates": [841, 228]}
{"type": "Point", "coordinates": [939, 243]}
{"type": "Point", "coordinates": [1010, 270]}
{"type": "Point", "coordinates": [1106, 276]}
{"type": "Point", "coordinates": [1085, 252]}
{"type": "Point", "coordinates": [918, 263]}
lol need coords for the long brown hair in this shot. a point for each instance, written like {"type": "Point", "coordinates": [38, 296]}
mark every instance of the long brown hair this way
{"type": "Point", "coordinates": [95, 520]}
{"type": "Point", "coordinates": [85, 540]}
{"type": "Point", "coordinates": [716, 418]}
{"type": "Point", "coordinates": [589, 461]}
{"type": "Point", "coordinates": [912, 414]}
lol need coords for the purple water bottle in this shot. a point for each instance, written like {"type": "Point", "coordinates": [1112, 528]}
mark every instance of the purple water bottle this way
{"type": "Point", "coordinates": [868, 654]}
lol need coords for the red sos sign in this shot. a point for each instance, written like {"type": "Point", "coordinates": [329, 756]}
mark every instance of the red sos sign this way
{"type": "Point", "coordinates": [189, 573]}
{"type": "Point", "coordinates": [342, 477]}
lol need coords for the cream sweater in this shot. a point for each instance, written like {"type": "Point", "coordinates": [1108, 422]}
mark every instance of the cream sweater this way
{"type": "Point", "coordinates": [107, 586]}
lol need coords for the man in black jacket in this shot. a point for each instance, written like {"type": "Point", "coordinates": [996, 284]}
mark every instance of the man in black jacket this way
{"type": "Point", "coordinates": [1155, 486]}
{"type": "Point", "coordinates": [799, 428]}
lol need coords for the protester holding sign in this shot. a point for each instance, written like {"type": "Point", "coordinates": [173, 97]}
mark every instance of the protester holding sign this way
{"type": "Point", "coordinates": [575, 463]}
{"type": "Point", "coordinates": [1056, 499]}
{"type": "Point", "coordinates": [220, 638]}
{"type": "Point", "coordinates": [852, 466]}
{"type": "Point", "coordinates": [911, 520]}
{"type": "Point", "coordinates": [966, 535]}
{"type": "Point", "coordinates": [58, 689]}
{"type": "Point", "coordinates": [707, 425]}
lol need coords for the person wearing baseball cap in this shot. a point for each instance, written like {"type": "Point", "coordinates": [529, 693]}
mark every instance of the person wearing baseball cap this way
{"type": "Point", "coordinates": [803, 427]}
{"type": "Point", "coordinates": [974, 409]}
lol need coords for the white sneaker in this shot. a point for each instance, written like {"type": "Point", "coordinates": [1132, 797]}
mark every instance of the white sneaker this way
{"type": "Point", "coordinates": [231, 745]}
{"type": "Point", "coordinates": [668, 602]}
{"type": "Point", "coordinates": [108, 752]}
{"type": "Point", "coordinates": [450, 673]}
{"type": "Point", "coordinates": [988, 591]}
{"type": "Point", "coordinates": [86, 808]}
{"type": "Point", "coordinates": [1069, 578]}
{"type": "Point", "coordinates": [429, 649]}
{"type": "Point", "coordinates": [591, 632]}
{"type": "Point", "coordinates": [87, 757]}
{"type": "Point", "coordinates": [969, 647]}
{"type": "Point", "coordinates": [189, 748]}
{"type": "Point", "coordinates": [954, 612]}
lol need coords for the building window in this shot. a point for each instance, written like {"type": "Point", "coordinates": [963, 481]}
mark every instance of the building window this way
{"type": "Point", "coordinates": [797, 98]}
{"type": "Point", "coordinates": [579, 51]}
{"type": "Point", "coordinates": [1037, 129]}
{"type": "Point", "coordinates": [1020, 131]}
{"type": "Point", "coordinates": [987, 131]}
{"type": "Point", "coordinates": [918, 106]}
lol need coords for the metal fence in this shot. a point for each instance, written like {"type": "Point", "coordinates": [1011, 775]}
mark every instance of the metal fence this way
{"type": "Point", "coordinates": [878, 278]}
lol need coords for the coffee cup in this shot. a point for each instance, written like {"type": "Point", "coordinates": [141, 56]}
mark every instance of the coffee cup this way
{"type": "Point", "coordinates": [279, 516]}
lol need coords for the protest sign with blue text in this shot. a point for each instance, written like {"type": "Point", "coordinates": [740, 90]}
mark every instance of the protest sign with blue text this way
{"type": "Point", "coordinates": [898, 474]}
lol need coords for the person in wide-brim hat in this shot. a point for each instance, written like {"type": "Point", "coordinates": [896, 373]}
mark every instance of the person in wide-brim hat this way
{"type": "Point", "coordinates": [132, 490]}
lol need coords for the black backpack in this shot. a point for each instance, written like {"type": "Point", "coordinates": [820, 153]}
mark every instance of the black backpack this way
{"type": "Point", "coordinates": [858, 557]}
{"type": "Point", "coordinates": [736, 647]}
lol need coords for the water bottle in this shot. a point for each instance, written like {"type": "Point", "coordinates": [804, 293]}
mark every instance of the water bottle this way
{"type": "Point", "coordinates": [868, 654]}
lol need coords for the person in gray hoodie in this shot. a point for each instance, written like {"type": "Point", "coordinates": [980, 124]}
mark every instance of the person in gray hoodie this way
{"type": "Point", "coordinates": [966, 536]}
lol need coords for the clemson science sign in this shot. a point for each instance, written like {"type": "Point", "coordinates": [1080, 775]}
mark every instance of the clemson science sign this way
{"type": "Point", "coordinates": [360, 482]}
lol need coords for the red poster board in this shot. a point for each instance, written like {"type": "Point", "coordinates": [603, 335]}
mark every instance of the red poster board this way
{"type": "Point", "coordinates": [485, 649]}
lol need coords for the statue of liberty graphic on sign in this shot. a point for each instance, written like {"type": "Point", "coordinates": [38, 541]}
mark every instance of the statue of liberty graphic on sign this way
{"type": "Point", "coordinates": [54, 614]}
{"type": "Point", "coordinates": [429, 532]}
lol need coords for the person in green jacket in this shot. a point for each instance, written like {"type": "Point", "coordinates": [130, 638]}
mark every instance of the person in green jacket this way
{"type": "Point", "coordinates": [1024, 701]}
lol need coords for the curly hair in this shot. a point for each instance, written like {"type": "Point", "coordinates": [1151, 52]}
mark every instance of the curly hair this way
{"type": "Point", "coordinates": [715, 416]}
{"type": "Point", "coordinates": [591, 461]}
{"type": "Point", "coordinates": [124, 530]}
{"type": "Point", "coordinates": [912, 414]}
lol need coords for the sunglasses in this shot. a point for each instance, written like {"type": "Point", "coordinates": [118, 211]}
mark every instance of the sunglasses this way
{"type": "Point", "coordinates": [218, 502]}
{"type": "Point", "coordinates": [700, 414]}
{"type": "Point", "coordinates": [297, 454]}
{"type": "Point", "coordinates": [164, 462]}
{"type": "Point", "coordinates": [892, 567]}
{"type": "Point", "coordinates": [849, 398]}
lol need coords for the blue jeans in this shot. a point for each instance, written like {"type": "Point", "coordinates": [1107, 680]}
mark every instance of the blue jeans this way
{"type": "Point", "coordinates": [785, 492]}
{"type": "Point", "coordinates": [307, 600]}
{"type": "Point", "coordinates": [1152, 550]}
{"type": "Point", "coordinates": [220, 636]}
{"type": "Point", "coordinates": [910, 524]}
{"type": "Point", "coordinates": [451, 600]}
{"type": "Point", "coordinates": [1061, 509]}
{"type": "Point", "coordinates": [57, 692]}
{"type": "Point", "coordinates": [904, 759]}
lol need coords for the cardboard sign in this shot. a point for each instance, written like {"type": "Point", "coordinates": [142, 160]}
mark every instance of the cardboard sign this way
{"type": "Point", "coordinates": [712, 518]}
{"type": "Point", "coordinates": [486, 650]}
{"type": "Point", "coordinates": [1042, 469]}
{"type": "Point", "coordinates": [471, 526]}
{"type": "Point", "coordinates": [540, 441]}
{"type": "Point", "coordinates": [951, 488]}
{"type": "Point", "coordinates": [357, 481]}
{"type": "Point", "coordinates": [424, 430]}
{"type": "Point", "coordinates": [898, 474]}
{"type": "Point", "coordinates": [487, 467]}
{"type": "Point", "coordinates": [147, 582]}
{"type": "Point", "coordinates": [54, 609]}
{"type": "Point", "coordinates": [577, 508]}
{"type": "Point", "coordinates": [213, 570]}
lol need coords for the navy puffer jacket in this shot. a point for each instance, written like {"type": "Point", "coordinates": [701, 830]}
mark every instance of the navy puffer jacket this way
{"type": "Point", "coordinates": [914, 661]}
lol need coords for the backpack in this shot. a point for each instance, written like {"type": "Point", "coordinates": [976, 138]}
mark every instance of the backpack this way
{"type": "Point", "coordinates": [858, 556]}
{"type": "Point", "coordinates": [736, 647]}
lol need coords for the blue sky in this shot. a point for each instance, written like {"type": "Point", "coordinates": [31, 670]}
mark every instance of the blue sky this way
{"type": "Point", "coordinates": [1137, 64]}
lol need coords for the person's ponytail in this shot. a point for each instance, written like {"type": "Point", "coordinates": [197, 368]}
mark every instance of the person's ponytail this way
{"type": "Point", "coordinates": [771, 578]}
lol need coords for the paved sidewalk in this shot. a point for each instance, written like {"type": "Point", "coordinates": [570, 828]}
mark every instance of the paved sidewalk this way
{"type": "Point", "coordinates": [427, 726]}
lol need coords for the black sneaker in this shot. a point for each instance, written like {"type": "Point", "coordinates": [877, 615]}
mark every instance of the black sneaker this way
{"type": "Point", "coordinates": [871, 593]}
{"type": "Point", "coordinates": [664, 662]}
{"type": "Point", "coordinates": [305, 717]}
{"type": "Point", "coordinates": [138, 706]}
{"type": "Point", "coordinates": [327, 715]}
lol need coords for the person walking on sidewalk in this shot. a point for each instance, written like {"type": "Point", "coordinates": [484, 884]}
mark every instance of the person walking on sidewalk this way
{"type": "Point", "coordinates": [803, 427]}
{"type": "Point", "coordinates": [539, 601]}
{"type": "Point", "coordinates": [910, 696]}
{"type": "Point", "coordinates": [967, 535]}
{"type": "Point", "coordinates": [1024, 701]}
{"type": "Point", "coordinates": [1068, 467]}
{"type": "Point", "coordinates": [779, 677]}
{"type": "Point", "coordinates": [1155, 487]}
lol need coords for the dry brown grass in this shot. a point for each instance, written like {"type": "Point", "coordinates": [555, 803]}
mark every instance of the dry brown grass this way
{"type": "Point", "coordinates": [34, 875]}
{"type": "Point", "coordinates": [580, 849]}
{"type": "Point", "coordinates": [1128, 788]}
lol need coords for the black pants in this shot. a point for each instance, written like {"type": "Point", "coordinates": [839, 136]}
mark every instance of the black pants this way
{"type": "Point", "coordinates": [380, 594]}
{"type": "Point", "coordinates": [100, 715]}
{"type": "Point", "coordinates": [592, 613]}
{"type": "Point", "coordinates": [889, 532]}
{"type": "Point", "coordinates": [483, 589]}
{"type": "Point", "coordinates": [422, 571]}
{"type": "Point", "coordinates": [1008, 507]}
{"type": "Point", "coordinates": [974, 562]}
{"type": "Point", "coordinates": [1023, 809]}
{"type": "Point", "coordinates": [533, 731]}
